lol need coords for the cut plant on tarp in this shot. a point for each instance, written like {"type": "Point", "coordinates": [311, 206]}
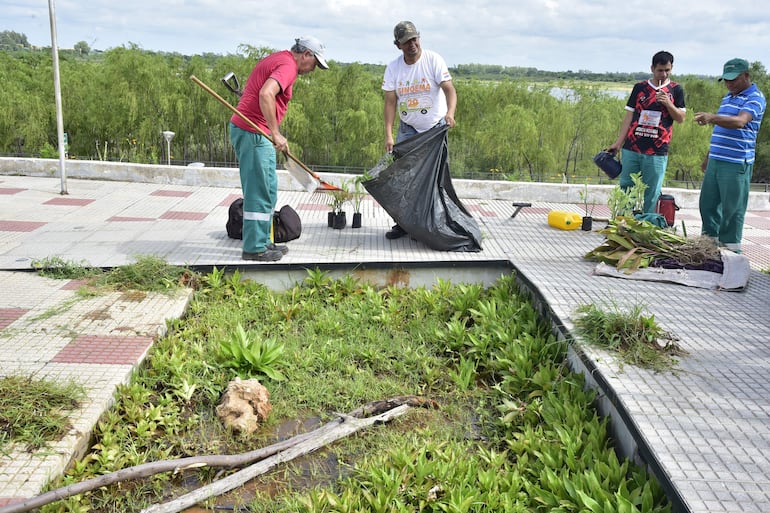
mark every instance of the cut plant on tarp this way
{"type": "Point", "coordinates": [632, 244]}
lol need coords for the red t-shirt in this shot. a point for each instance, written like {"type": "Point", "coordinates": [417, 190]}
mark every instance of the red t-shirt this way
{"type": "Point", "coordinates": [279, 66]}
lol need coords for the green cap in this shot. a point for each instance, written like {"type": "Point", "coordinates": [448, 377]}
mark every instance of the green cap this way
{"type": "Point", "coordinates": [733, 68]}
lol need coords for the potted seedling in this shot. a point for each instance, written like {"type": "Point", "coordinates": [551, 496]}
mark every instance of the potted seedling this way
{"type": "Point", "coordinates": [337, 216]}
{"type": "Point", "coordinates": [588, 207]}
{"type": "Point", "coordinates": [357, 196]}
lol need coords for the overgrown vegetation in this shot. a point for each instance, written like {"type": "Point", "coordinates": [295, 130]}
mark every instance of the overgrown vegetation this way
{"type": "Point", "coordinates": [34, 412]}
{"type": "Point", "coordinates": [117, 102]}
{"type": "Point", "coordinates": [148, 274]}
{"type": "Point", "coordinates": [626, 202]}
{"type": "Point", "coordinates": [515, 431]}
{"type": "Point", "coordinates": [62, 269]}
{"type": "Point", "coordinates": [635, 337]}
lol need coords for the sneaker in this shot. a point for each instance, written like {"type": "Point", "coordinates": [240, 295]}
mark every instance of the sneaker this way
{"type": "Point", "coordinates": [395, 233]}
{"type": "Point", "coordinates": [278, 247]}
{"type": "Point", "coordinates": [269, 255]}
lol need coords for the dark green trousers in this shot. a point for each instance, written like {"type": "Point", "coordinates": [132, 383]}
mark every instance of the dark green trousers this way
{"type": "Point", "coordinates": [724, 197]}
{"type": "Point", "coordinates": [259, 182]}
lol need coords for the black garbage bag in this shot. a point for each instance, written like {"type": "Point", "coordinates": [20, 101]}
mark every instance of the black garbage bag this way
{"type": "Point", "coordinates": [415, 188]}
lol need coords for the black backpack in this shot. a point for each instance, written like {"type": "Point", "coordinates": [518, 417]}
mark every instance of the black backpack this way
{"type": "Point", "coordinates": [234, 224]}
{"type": "Point", "coordinates": [286, 222]}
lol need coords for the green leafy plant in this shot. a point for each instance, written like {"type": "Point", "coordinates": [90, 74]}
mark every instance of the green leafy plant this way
{"type": "Point", "coordinates": [633, 334]}
{"type": "Point", "coordinates": [349, 343]}
{"type": "Point", "coordinates": [586, 200]}
{"type": "Point", "coordinates": [249, 355]}
{"type": "Point", "coordinates": [624, 202]}
{"type": "Point", "coordinates": [339, 197]}
{"type": "Point", "coordinates": [358, 193]}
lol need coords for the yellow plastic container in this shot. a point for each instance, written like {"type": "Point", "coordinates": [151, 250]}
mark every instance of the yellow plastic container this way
{"type": "Point", "coordinates": [564, 220]}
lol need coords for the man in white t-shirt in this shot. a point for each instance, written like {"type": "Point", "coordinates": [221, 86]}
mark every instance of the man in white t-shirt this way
{"type": "Point", "coordinates": [419, 87]}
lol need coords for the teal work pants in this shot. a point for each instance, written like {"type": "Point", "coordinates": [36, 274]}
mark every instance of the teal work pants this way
{"type": "Point", "coordinates": [652, 169]}
{"type": "Point", "coordinates": [259, 182]}
{"type": "Point", "coordinates": [724, 197]}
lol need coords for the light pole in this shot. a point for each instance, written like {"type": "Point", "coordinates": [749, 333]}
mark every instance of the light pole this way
{"type": "Point", "coordinates": [57, 95]}
{"type": "Point", "coordinates": [168, 134]}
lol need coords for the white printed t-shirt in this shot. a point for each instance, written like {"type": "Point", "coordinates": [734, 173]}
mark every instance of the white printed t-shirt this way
{"type": "Point", "coordinates": [420, 101]}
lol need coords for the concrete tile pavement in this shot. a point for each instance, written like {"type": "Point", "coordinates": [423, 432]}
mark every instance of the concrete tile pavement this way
{"type": "Point", "coordinates": [706, 430]}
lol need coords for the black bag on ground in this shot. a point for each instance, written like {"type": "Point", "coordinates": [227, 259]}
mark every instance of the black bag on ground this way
{"type": "Point", "coordinates": [416, 190]}
{"type": "Point", "coordinates": [234, 224]}
{"type": "Point", "coordinates": [286, 222]}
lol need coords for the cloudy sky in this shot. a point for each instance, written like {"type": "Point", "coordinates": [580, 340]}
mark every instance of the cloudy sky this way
{"type": "Point", "coordinates": [554, 35]}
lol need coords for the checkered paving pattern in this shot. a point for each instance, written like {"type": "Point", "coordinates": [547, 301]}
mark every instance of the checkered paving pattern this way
{"type": "Point", "coordinates": [704, 430]}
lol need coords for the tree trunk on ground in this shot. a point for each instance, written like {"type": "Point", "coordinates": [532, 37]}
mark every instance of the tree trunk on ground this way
{"type": "Point", "coordinates": [382, 409]}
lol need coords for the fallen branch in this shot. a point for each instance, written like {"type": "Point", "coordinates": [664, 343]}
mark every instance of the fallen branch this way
{"type": "Point", "coordinates": [219, 461]}
{"type": "Point", "coordinates": [341, 428]}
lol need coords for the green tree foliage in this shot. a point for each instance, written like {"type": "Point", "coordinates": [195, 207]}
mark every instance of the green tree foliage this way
{"type": "Point", "coordinates": [511, 124]}
{"type": "Point", "coordinates": [10, 40]}
{"type": "Point", "coordinates": [82, 48]}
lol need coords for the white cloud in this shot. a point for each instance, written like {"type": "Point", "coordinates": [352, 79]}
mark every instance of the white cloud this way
{"type": "Point", "coordinates": [557, 35]}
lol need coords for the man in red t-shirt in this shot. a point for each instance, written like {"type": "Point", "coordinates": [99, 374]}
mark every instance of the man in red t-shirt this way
{"type": "Point", "coordinates": [646, 130]}
{"type": "Point", "coordinates": [264, 101]}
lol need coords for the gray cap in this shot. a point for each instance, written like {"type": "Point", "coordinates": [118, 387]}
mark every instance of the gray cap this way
{"type": "Point", "coordinates": [405, 31]}
{"type": "Point", "coordinates": [315, 46]}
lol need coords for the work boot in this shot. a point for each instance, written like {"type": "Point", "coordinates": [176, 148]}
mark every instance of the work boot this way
{"type": "Point", "coordinates": [395, 233]}
{"type": "Point", "coordinates": [278, 247]}
{"type": "Point", "coordinates": [268, 255]}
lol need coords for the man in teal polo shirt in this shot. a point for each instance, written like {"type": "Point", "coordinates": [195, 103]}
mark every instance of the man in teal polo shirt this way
{"type": "Point", "coordinates": [727, 168]}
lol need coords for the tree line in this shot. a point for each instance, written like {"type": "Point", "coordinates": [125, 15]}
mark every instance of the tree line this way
{"type": "Point", "coordinates": [116, 103]}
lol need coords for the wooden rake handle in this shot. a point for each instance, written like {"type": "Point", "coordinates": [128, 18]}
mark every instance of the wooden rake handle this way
{"type": "Point", "coordinates": [258, 130]}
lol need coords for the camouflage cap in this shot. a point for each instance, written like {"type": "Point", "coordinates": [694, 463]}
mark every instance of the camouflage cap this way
{"type": "Point", "coordinates": [405, 31]}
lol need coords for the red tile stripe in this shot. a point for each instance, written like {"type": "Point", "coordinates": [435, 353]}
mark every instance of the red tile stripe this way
{"type": "Point", "coordinates": [75, 202]}
{"type": "Point", "coordinates": [757, 222]}
{"type": "Point", "coordinates": [20, 226]}
{"type": "Point", "coordinates": [229, 199]}
{"type": "Point", "coordinates": [173, 194]}
{"type": "Point", "coordinates": [10, 190]}
{"type": "Point", "coordinates": [115, 350]}
{"type": "Point", "coordinates": [312, 206]}
{"type": "Point", "coordinates": [7, 501]}
{"type": "Point", "coordinates": [184, 216]}
{"type": "Point", "coordinates": [9, 315]}
{"type": "Point", "coordinates": [119, 219]}
{"type": "Point", "coordinates": [481, 210]}
{"type": "Point", "coordinates": [74, 284]}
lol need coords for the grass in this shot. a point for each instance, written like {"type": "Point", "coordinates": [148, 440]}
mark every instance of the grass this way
{"type": "Point", "coordinates": [515, 431]}
{"type": "Point", "coordinates": [635, 337]}
{"type": "Point", "coordinates": [148, 274]}
{"type": "Point", "coordinates": [34, 412]}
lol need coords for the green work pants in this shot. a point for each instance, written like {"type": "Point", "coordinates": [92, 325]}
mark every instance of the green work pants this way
{"type": "Point", "coordinates": [724, 197]}
{"type": "Point", "coordinates": [652, 169]}
{"type": "Point", "coordinates": [259, 182]}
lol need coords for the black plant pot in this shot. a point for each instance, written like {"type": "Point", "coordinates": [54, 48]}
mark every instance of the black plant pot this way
{"type": "Point", "coordinates": [339, 221]}
{"type": "Point", "coordinates": [587, 223]}
{"type": "Point", "coordinates": [356, 220]}
{"type": "Point", "coordinates": [330, 219]}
